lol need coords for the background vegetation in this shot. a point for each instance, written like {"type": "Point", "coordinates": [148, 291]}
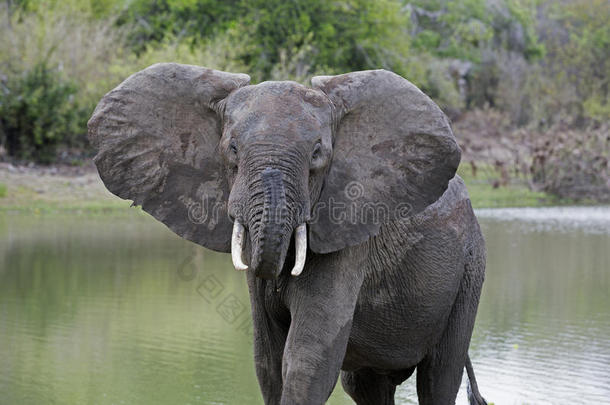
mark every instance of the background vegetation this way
{"type": "Point", "coordinates": [526, 82]}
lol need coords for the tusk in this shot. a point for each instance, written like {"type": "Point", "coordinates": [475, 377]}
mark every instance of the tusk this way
{"type": "Point", "coordinates": [300, 245]}
{"type": "Point", "coordinates": [237, 241]}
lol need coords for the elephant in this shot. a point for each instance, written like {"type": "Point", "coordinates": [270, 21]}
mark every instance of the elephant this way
{"type": "Point", "coordinates": [340, 202]}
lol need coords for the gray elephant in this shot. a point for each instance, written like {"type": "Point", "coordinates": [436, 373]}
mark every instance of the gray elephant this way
{"type": "Point", "coordinates": [362, 251]}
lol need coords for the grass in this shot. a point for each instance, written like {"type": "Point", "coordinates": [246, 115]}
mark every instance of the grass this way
{"type": "Point", "coordinates": [483, 194]}
{"type": "Point", "coordinates": [90, 208]}
{"type": "Point", "coordinates": [18, 200]}
{"type": "Point", "coordinates": [25, 200]}
{"type": "Point", "coordinates": [55, 194]}
{"type": "Point", "coordinates": [48, 194]}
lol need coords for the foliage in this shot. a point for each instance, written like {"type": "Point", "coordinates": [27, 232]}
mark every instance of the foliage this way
{"type": "Point", "coordinates": [217, 53]}
{"type": "Point", "coordinates": [271, 32]}
{"type": "Point", "coordinates": [39, 113]}
{"type": "Point", "coordinates": [348, 35]}
{"type": "Point", "coordinates": [69, 41]}
{"type": "Point", "coordinates": [2, 190]}
{"type": "Point", "coordinates": [577, 35]}
{"type": "Point", "coordinates": [539, 64]}
{"type": "Point", "coordinates": [491, 40]}
{"type": "Point", "coordinates": [573, 165]}
{"type": "Point", "coordinates": [463, 29]}
{"type": "Point", "coordinates": [94, 8]}
{"type": "Point", "coordinates": [55, 64]}
{"type": "Point", "coordinates": [188, 20]}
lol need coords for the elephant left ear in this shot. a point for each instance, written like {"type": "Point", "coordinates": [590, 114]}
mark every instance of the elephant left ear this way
{"type": "Point", "coordinates": [393, 155]}
{"type": "Point", "coordinates": [157, 136]}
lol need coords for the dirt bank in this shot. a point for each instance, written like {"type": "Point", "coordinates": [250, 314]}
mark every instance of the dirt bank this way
{"type": "Point", "coordinates": [42, 187]}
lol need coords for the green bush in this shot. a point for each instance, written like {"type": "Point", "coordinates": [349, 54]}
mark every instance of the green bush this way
{"type": "Point", "coordinates": [216, 53]}
{"type": "Point", "coordinates": [540, 63]}
{"type": "Point", "coordinates": [38, 112]}
{"type": "Point", "coordinates": [272, 34]}
{"type": "Point", "coordinates": [577, 36]}
{"type": "Point", "coordinates": [57, 59]}
{"type": "Point", "coordinates": [85, 49]}
{"type": "Point", "coordinates": [158, 20]}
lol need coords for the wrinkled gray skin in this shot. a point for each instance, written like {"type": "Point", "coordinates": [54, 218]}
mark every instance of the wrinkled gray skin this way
{"type": "Point", "coordinates": [379, 296]}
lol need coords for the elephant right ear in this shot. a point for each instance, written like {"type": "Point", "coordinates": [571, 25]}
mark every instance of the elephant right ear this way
{"type": "Point", "coordinates": [393, 155]}
{"type": "Point", "coordinates": [156, 137]}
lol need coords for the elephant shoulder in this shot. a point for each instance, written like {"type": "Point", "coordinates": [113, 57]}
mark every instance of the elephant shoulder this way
{"type": "Point", "coordinates": [442, 225]}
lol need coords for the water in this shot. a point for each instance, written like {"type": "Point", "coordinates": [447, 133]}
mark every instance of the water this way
{"type": "Point", "coordinates": [121, 311]}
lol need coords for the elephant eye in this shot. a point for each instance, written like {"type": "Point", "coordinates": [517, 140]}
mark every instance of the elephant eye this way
{"type": "Point", "coordinates": [316, 151]}
{"type": "Point", "coordinates": [233, 147]}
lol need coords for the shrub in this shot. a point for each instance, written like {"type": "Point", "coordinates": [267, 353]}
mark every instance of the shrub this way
{"type": "Point", "coordinates": [66, 40]}
{"type": "Point", "coordinates": [577, 36]}
{"type": "Point", "coordinates": [55, 64]}
{"type": "Point", "coordinates": [347, 35]}
{"type": "Point", "coordinates": [218, 53]}
{"type": "Point", "coordinates": [494, 41]}
{"type": "Point", "coordinates": [573, 164]}
{"type": "Point", "coordinates": [158, 20]}
{"type": "Point", "coordinates": [38, 112]}
{"type": "Point", "coordinates": [566, 162]}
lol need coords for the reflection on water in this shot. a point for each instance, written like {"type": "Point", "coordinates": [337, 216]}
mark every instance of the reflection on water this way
{"type": "Point", "coordinates": [560, 219]}
{"type": "Point", "coordinates": [103, 311]}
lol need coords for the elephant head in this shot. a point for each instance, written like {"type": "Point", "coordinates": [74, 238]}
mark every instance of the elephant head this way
{"type": "Point", "coordinates": [243, 168]}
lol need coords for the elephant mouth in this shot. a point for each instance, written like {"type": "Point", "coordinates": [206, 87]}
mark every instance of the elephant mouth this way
{"type": "Point", "coordinates": [262, 268]}
{"type": "Point", "coordinates": [270, 228]}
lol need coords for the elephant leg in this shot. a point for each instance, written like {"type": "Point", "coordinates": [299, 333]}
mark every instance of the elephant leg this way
{"type": "Point", "coordinates": [268, 349]}
{"type": "Point", "coordinates": [368, 388]}
{"type": "Point", "coordinates": [322, 307]}
{"type": "Point", "coordinates": [269, 340]}
{"type": "Point", "coordinates": [439, 374]}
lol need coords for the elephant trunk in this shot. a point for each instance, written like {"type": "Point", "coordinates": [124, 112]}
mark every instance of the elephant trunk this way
{"type": "Point", "coordinates": [275, 206]}
{"type": "Point", "coordinates": [274, 228]}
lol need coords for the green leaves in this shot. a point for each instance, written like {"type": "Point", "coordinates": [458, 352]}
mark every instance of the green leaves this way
{"type": "Point", "coordinates": [345, 35]}
{"type": "Point", "coordinates": [38, 112]}
{"type": "Point", "coordinates": [538, 60]}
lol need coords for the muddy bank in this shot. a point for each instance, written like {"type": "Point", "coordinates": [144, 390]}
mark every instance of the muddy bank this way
{"type": "Point", "coordinates": [53, 186]}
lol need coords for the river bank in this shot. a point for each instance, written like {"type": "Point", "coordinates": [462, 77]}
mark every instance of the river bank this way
{"type": "Point", "coordinates": [53, 189]}
{"type": "Point", "coordinates": [62, 188]}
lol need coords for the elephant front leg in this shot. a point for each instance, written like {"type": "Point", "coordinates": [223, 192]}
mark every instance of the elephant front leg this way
{"type": "Point", "coordinates": [312, 361]}
{"type": "Point", "coordinates": [270, 332]}
{"type": "Point", "coordinates": [322, 308]}
{"type": "Point", "coordinates": [269, 340]}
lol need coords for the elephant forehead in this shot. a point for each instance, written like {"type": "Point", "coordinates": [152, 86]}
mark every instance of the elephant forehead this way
{"type": "Point", "coordinates": [278, 105]}
{"type": "Point", "coordinates": [256, 125]}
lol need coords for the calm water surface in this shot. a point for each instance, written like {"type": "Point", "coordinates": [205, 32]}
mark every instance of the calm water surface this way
{"type": "Point", "coordinates": [121, 311]}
